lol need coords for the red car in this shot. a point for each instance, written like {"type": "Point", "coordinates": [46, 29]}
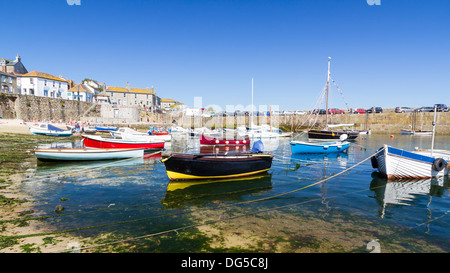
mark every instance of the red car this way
{"type": "Point", "coordinates": [335, 111]}
{"type": "Point", "coordinates": [359, 111]}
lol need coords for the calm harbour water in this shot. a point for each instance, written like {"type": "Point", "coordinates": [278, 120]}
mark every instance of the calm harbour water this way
{"type": "Point", "coordinates": [134, 197]}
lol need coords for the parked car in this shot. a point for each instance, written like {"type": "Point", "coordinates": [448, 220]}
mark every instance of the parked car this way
{"type": "Point", "coordinates": [403, 109]}
{"type": "Point", "coordinates": [319, 112]}
{"type": "Point", "coordinates": [300, 113]}
{"type": "Point", "coordinates": [425, 109]}
{"type": "Point", "coordinates": [335, 111]}
{"type": "Point", "coordinates": [375, 109]}
{"type": "Point", "coordinates": [441, 107]}
{"type": "Point", "coordinates": [359, 111]}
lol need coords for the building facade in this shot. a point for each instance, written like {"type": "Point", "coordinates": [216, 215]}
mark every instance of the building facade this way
{"type": "Point", "coordinates": [43, 85]}
{"type": "Point", "coordinates": [135, 97]}
{"type": "Point", "coordinates": [13, 66]}
{"type": "Point", "coordinates": [8, 82]}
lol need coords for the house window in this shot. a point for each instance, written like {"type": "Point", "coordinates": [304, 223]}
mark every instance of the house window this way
{"type": "Point", "coordinates": [124, 95]}
{"type": "Point", "coordinates": [31, 91]}
{"type": "Point", "coordinates": [45, 93]}
{"type": "Point", "coordinates": [31, 80]}
{"type": "Point", "coordinates": [45, 82]}
{"type": "Point", "coordinates": [135, 96]}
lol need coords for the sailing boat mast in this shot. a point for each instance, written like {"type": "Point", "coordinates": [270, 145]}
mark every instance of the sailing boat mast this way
{"type": "Point", "coordinates": [251, 113]}
{"type": "Point", "coordinates": [328, 89]}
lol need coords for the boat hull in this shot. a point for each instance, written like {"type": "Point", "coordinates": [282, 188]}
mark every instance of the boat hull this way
{"type": "Point", "coordinates": [99, 142]}
{"type": "Point", "coordinates": [300, 147]}
{"type": "Point", "coordinates": [323, 134]}
{"type": "Point", "coordinates": [395, 163]}
{"type": "Point", "coordinates": [86, 154]}
{"type": "Point", "coordinates": [416, 133]}
{"type": "Point", "coordinates": [211, 166]}
{"type": "Point", "coordinates": [208, 141]}
{"type": "Point", "coordinates": [105, 128]}
{"type": "Point", "coordinates": [48, 132]}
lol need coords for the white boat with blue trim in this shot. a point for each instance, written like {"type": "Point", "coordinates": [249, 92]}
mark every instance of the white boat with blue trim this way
{"type": "Point", "coordinates": [49, 130]}
{"type": "Point", "coordinates": [86, 154]}
{"type": "Point", "coordinates": [304, 147]}
{"type": "Point", "coordinates": [395, 163]}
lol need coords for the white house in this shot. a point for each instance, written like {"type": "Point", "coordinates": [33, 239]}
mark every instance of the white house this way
{"type": "Point", "coordinates": [80, 92]}
{"type": "Point", "coordinates": [42, 85]}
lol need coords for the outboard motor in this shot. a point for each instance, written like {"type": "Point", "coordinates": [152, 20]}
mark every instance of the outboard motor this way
{"type": "Point", "coordinates": [258, 147]}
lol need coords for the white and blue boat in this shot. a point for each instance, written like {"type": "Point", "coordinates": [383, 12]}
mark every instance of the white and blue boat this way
{"type": "Point", "coordinates": [317, 147]}
{"type": "Point", "coordinates": [394, 163]}
{"type": "Point", "coordinates": [304, 147]}
{"type": "Point", "coordinates": [86, 154]}
{"type": "Point", "coordinates": [49, 130]}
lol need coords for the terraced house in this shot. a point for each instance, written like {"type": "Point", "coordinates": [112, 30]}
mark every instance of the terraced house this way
{"type": "Point", "coordinates": [135, 97]}
{"type": "Point", "coordinates": [43, 85]}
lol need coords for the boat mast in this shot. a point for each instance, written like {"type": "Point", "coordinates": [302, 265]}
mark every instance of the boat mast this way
{"type": "Point", "coordinates": [434, 125]}
{"type": "Point", "coordinates": [328, 89]}
{"type": "Point", "coordinates": [251, 113]}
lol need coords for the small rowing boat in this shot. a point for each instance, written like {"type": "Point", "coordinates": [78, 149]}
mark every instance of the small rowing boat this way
{"type": "Point", "coordinates": [217, 166]}
{"type": "Point", "coordinates": [86, 154]}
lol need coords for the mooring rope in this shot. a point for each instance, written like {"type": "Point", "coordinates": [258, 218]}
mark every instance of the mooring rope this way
{"type": "Point", "coordinates": [229, 205]}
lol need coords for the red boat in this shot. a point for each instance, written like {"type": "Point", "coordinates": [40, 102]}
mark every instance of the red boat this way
{"type": "Point", "coordinates": [160, 133]}
{"type": "Point", "coordinates": [223, 142]}
{"type": "Point", "coordinates": [100, 142]}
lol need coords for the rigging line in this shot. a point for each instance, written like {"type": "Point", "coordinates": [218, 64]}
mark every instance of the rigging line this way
{"type": "Point", "coordinates": [218, 207]}
{"type": "Point", "coordinates": [340, 92]}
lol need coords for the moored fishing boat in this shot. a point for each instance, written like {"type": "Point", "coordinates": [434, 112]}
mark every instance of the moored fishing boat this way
{"type": "Point", "coordinates": [212, 141]}
{"type": "Point", "coordinates": [100, 142]}
{"type": "Point", "coordinates": [331, 134]}
{"type": "Point", "coordinates": [49, 130]}
{"type": "Point", "coordinates": [217, 166]}
{"type": "Point", "coordinates": [328, 132]}
{"type": "Point", "coordinates": [86, 154]}
{"type": "Point", "coordinates": [395, 163]}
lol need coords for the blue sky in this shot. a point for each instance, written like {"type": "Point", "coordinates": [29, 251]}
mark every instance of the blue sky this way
{"type": "Point", "coordinates": [393, 54]}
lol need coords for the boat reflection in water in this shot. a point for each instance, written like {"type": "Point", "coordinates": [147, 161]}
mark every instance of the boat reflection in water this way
{"type": "Point", "coordinates": [48, 168]}
{"type": "Point", "coordinates": [193, 192]}
{"type": "Point", "coordinates": [405, 192]}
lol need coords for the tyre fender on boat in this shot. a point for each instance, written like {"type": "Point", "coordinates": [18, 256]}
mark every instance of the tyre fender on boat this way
{"type": "Point", "coordinates": [374, 162]}
{"type": "Point", "coordinates": [439, 164]}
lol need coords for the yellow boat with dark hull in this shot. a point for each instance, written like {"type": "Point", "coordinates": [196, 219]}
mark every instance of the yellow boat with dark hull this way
{"type": "Point", "coordinates": [215, 166]}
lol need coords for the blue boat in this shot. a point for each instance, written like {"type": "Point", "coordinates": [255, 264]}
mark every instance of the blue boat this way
{"type": "Point", "coordinates": [303, 147]}
{"type": "Point", "coordinates": [105, 128]}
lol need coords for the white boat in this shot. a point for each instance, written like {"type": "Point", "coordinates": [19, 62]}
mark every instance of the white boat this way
{"type": "Point", "coordinates": [86, 154]}
{"type": "Point", "coordinates": [126, 133]}
{"type": "Point", "coordinates": [49, 130]}
{"type": "Point", "coordinates": [416, 132]}
{"type": "Point", "coordinates": [396, 163]}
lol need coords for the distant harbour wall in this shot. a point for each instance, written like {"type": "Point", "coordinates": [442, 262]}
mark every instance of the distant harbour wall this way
{"type": "Point", "coordinates": [379, 123]}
